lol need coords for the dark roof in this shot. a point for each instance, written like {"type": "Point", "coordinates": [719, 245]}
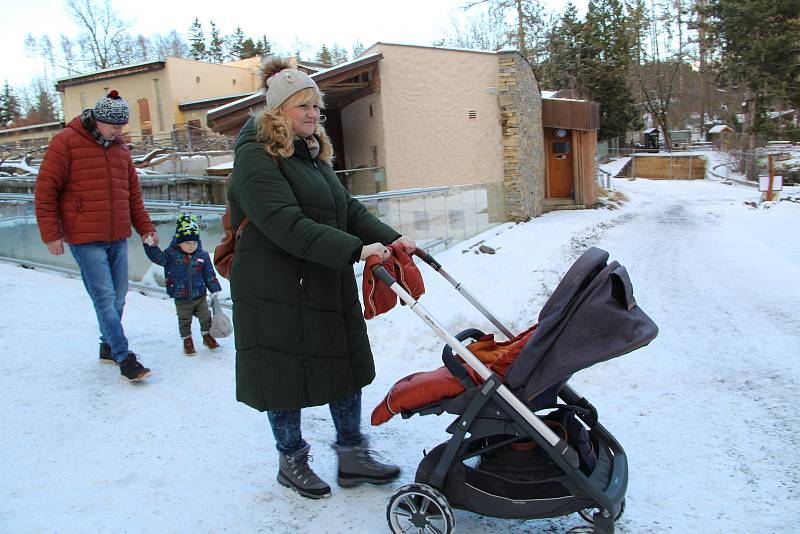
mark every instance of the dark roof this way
{"type": "Point", "coordinates": [205, 103]}
{"type": "Point", "coordinates": [570, 114]}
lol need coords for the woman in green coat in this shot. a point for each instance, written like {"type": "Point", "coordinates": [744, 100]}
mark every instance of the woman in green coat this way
{"type": "Point", "coordinates": [301, 339]}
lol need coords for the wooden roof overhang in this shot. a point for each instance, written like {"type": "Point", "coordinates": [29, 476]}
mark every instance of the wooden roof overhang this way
{"type": "Point", "coordinates": [341, 85]}
{"type": "Point", "coordinates": [570, 114]}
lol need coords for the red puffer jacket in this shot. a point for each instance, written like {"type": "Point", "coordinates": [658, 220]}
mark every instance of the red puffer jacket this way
{"type": "Point", "coordinates": [85, 192]}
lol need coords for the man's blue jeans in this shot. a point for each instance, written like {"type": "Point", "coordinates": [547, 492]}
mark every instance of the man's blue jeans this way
{"type": "Point", "coordinates": [104, 270]}
{"type": "Point", "coordinates": [346, 414]}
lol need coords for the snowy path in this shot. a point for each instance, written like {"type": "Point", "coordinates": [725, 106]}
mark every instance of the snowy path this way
{"type": "Point", "coordinates": [714, 404]}
{"type": "Point", "coordinates": [706, 412]}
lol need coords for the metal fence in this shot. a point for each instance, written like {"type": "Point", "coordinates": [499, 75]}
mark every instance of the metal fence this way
{"type": "Point", "coordinates": [749, 165]}
{"type": "Point", "coordinates": [436, 218]}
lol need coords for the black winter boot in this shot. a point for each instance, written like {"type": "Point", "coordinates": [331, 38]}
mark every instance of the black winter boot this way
{"type": "Point", "coordinates": [357, 464]}
{"type": "Point", "coordinates": [132, 370]}
{"type": "Point", "coordinates": [295, 473]}
{"type": "Point", "coordinates": [105, 353]}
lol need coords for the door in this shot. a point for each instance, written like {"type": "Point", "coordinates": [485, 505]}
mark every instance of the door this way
{"type": "Point", "coordinates": [145, 125]}
{"type": "Point", "coordinates": [558, 151]}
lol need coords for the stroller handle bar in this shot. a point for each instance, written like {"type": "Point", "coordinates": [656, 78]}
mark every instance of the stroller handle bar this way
{"type": "Point", "coordinates": [436, 266]}
{"type": "Point", "coordinates": [383, 275]}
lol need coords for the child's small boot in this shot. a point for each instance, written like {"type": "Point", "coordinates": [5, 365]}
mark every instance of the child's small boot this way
{"type": "Point", "coordinates": [188, 346]}
{"type": "Point", "coordinates": [209, 341]}
{"type": "Point", "coordinates": [294, 472]}
{"type": "Point", "coordinates": [357, 464]}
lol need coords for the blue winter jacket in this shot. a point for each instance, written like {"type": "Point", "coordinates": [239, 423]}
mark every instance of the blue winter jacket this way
{"type": "Point", "coordinates": [188, 275]}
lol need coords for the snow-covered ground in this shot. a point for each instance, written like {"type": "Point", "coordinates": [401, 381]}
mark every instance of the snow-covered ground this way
{"type": "Point", "coordinates": [707, 413]}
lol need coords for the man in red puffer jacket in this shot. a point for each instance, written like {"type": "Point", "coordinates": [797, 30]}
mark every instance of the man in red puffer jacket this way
{"type": "Point", "coordinates": [88, 195]}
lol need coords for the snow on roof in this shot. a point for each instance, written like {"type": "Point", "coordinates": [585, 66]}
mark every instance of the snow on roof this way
{"type": "Point", "coordinates": [211, 99]}
{"type": "Point", "coordinates": [43, 125]}
{"type": "Point", "coordinates": [719, 128]}
{"type": "Point", "coordinates": [454, 49]}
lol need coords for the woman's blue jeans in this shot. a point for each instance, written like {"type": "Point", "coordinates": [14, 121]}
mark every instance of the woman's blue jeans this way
{"type": "Point", "coordinates": [104, 270]}
{"type": "Point", "coordinates": [346, 414]}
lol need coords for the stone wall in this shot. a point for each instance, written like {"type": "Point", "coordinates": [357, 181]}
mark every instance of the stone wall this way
{"type": "Point", "coordinates": [523, 137]}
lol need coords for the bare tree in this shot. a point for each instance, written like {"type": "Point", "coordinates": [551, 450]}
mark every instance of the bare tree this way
{"type": "Point", "coordinates": [528, 33]}
{"type": "Point", "coordinates": [170, 45]}
{"type": "Point", "coordinates": [478, 30]}
{"type": "Point", "coordinates": [662, 60]}
{"type": "Point", "coordinates": [70, 63]}
{"type": "Point", "coordinates": [104, 37]}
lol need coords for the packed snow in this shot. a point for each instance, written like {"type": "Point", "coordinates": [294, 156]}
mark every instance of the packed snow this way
{"type": "Point", "coordinates": [707, 412]}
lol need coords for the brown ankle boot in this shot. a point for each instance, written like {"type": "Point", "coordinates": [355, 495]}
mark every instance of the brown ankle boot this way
{"type": "Point", "coordinates": [209, 341]}
{"type": "Point", "coordinates": [188, 346]}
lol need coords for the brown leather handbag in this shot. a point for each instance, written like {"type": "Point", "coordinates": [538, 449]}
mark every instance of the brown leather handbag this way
{"type": "Point", "coordinates": [223, 252]}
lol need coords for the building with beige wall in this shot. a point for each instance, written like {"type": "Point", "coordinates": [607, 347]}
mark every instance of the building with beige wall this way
{"type": "Point", "coordinates": [30, 137]}
{"type": "Point", "coordinates": [163, 95]}
{"type": "Point", "coordinates": [436, 122]}
{"type": "Point", "coordinates": [403, 116]}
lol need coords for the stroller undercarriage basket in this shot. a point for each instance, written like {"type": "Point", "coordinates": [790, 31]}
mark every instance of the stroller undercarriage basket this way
{"type": "Point", "coordinates": [504, 460]}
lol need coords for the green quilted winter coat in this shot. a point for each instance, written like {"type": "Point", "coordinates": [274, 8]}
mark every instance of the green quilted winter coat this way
{"type": "Point", "coordinates": [301, 339]}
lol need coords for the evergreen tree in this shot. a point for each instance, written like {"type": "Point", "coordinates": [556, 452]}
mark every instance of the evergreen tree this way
{"type": "Point", "coordinates": [324, 56]}
{"type": "Point", "coordinates": [562, 68]}
{"type": "Point", "coordinates": [215, 49]}
{"type": "Point", "coordinates": [606, 61]}
{"type": "Point", "coordinates": [236, 45]}
{"type": "Point", "coordinates": [338, 55]}
{"type": "Point", "coordinates": [9, 107]}
{"type": "Point", "coordinates": [755, 44]}
{"type": "Point", "coordinates": [197, 41]}
{"type": "Point", "coordinates": [263, 47]}
{"type": "Point", "coordinates": [249, 48]}
{"type": "Point", "coordinates": [40, 105]}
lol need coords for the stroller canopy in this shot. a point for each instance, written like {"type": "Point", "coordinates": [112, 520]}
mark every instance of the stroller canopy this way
{"type": "Point", "coordinates": [590, 317]}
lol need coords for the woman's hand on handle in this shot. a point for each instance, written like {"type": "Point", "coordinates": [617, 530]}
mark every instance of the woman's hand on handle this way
{"type": "Point", "coordinates": [376, 249]}
{"type": "Point", "coordinates": [407, 243]}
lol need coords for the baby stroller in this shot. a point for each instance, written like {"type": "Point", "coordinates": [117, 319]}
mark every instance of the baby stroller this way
{"type": "Point", "coordinates": [502, 459]}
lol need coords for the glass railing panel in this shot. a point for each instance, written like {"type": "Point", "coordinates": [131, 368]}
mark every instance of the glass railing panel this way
{"type": "Point", "coordinates": [435, 217]}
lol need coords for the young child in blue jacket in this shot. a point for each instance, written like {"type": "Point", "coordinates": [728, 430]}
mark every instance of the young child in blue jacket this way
{"type": "Point", "coordinates": [188, 271]}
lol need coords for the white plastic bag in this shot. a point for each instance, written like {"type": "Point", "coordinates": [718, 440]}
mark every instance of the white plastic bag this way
{"type": "Point", "coordinates": [221, 325]}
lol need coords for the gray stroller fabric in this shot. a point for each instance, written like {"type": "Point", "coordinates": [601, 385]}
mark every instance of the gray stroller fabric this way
{"type": "Point", "coordinates": [590, 317]}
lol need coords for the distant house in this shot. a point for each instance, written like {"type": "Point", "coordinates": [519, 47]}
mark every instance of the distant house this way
{"type": "Point", "coordinates": [164, 96]}
{"type": "Point", "coordinates": [27, 137]}
{"type": "Point", "coordinates": [404, 116]}
{"type": "Point", "coordinates": [714, 132]}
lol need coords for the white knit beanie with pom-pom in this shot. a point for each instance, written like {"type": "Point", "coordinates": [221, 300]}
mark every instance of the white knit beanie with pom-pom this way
{"type": "Point", "coordinates": [281, 81]}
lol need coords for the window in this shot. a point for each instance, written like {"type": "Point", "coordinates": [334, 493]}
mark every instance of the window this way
{"type": "Point", "coordinates": [561, 148]}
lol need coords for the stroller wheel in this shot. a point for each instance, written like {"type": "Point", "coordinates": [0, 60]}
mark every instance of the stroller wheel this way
{"type": "Point", "coordinates": [419, 508]}
{"type": "Point", "coordinates": [588, 513]}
